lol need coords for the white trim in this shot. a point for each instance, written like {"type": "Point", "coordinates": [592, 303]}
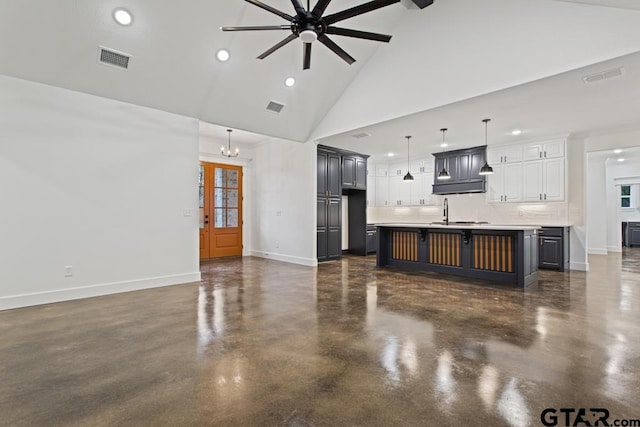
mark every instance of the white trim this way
{"type": "Point", "coordinates": [309, 262]}
{"type": "Point", "coordinates": [579, 266]}
{"type": "Point", "coordinates": [58, 295]}
{"type": "Point", "coordinates": [614, 248]}
{"type": "Point", "coordinates": [597, 251]}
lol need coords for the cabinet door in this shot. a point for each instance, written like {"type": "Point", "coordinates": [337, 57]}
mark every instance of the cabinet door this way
{"type": "Point", "coordinates": [348, 172]}
{"type": "Point", "coordinates": [382, 170]}
{"type": "Point", "coordinates": [361, 173]}
{"type": "Point", "coordinates": [532, 188]}
{"type": "Point", "coordinates": [322, 246]}
{"type": "Point", "coordinates": [371, 191]}
{"type": "Point", "coordinates": [550, 255]}
{"type": "Point", "coordinates": [553, 149]}
{"type": "Point", "coordinates": [334, 169]}
{"type": "Point", "coordinates": [421, 166]}
{"type": "Point", "coordinates": [634, 236]}
{"type": "Point", "coordinates": [399, 191]}
{"type": "Point", "coordinates": [322, 173]}
{"type": "Point", "coordinates": [532, 152]}
{"type": "Point", "coordinates": [418, 190]}
{"type": "Point", "coordinates": [334, 229]}
{"type": "Point", "coordinates": [382, 191]}
{"type": "Point", "coordinates": [464, 167]}
{"type": "Point", "coordinates": [512, 154]}
{"type": "Point", "coordinates": [496, 184]}
{"type": "Point", "coordinates": [512, 182]}
{"type": "Point", "coordinates": [553, 179]}
{"type": "Point", "coordinates": [427, 191]}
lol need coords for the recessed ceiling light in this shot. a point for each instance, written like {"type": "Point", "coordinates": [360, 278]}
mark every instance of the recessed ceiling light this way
{"type": "Point", "coordinates": [122, 16]}
{"type": "Point", "coordinates": [444, 145]}
{"type": "Point", "coordinates": [223, 55]}
{"type": "Point", "coordinates": [621, 160]}
{"type": "Point", "coordinates": [617, 151]}
{"type": "Point", "coordinates": [390, 154]}
{"type": "Point", "coordinates": [516, 132]}
{"type": "Point", "coordinates": [289, 82]}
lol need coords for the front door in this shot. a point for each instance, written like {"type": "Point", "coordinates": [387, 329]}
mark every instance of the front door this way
{"type": "Point", "coordinates": [220, 210]}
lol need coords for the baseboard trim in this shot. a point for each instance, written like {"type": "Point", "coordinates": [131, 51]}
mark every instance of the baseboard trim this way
{"type": "Point", "coordinates": [614, 249]}
{"type": "Point", "coordinates": [597, 251]}
{"type": "Point", "coordinates": [580, 266]}
{"type": "Point", "coordinates": [309, 262]}
{"type": "Point", "coordinates": [69, 294]}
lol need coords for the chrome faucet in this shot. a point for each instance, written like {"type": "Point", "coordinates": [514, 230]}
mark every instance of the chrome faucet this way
{"type": "Point", "coordinates": [446, 211]}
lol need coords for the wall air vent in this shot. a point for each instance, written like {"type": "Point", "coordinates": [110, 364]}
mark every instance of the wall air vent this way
{"type": "Point", "coordinates": [603, 75]}
{"type": "Point", "coordinates": [113, 58]}
{"type": "Point", "coordinates": [361, 135]}
{"type": "Point", "coordinates": [275, 107]}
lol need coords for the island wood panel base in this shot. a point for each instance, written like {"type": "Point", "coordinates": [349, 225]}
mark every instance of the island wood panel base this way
{"type": "Point", "coordinates": [497, 255]}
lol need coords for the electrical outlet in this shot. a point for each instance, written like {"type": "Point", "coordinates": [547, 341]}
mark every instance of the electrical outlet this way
{"type": "Point", "coordinates": [277, 244]}
{"type": "Point", "coordinates": [187, 212]}
{"type": "Point", "coordinates": [279, 213]}
{"type": "Point", "coordinates": [68, 270]}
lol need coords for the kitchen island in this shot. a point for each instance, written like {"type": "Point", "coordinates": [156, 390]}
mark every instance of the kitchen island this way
{"type": "Point", "coordinates": [500, 253]}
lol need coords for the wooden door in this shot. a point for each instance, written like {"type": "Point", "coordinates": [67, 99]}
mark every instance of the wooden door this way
{"type": "Point", "coordinates": [221, 211]}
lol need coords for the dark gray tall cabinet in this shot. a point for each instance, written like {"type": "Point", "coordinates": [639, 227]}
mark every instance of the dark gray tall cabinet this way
{"type": "Point", "coordinates": [329, 205]}
{"type": "Point", "coordinates": [341, 173]}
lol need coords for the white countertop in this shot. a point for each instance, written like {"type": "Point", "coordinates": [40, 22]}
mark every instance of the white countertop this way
{"type": "Point", "coordinates": [461, 226]}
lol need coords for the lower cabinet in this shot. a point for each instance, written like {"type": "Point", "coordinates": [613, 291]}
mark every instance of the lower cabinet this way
{"type": "Point", "coordinates": [329, 231]}
{"type": "Point", "coordinates": [372, 239]}
{"type": "Point", "coordinates": [553, 250]}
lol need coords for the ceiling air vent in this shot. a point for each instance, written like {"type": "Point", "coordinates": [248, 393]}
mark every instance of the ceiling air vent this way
{"type": "Point", "coordinates": [274, 106]}
{"type": "Point", "coordinates": [603, 75]}
{"type": "Point", "coordinates": [113, 58]}
{"type": "Point", "coordinates": [361, 135]}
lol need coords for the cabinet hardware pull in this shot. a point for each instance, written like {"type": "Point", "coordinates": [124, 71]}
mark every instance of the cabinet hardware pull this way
{"type": "Point", "coordinates": [540, 196]}
{"type": "Point", "coordinates": [545, 154]}
{"type": "Point", "coordinates": [505, 197]}
{"type": "Point", "coordinates": [545, 196]}
{"type": "Point", "coordinates": [500, 159]}
{"type": "Point", "coordinates": [541, 154]}
{"type": "Point", "coordinates": [505, 159]}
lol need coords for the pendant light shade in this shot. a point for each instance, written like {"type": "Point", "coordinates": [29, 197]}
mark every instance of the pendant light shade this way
{"type": "Point", "coordinates": [443, 175]}
{"type": "Point", "coordinates": [408, 177]}
{"type": "Point", "coordinates": [486, 169]}
{"type": "Point", "coordinates": [228, 153]}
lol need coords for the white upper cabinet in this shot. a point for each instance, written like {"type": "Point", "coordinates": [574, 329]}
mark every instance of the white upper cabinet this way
{"type": "Point", "coordinates": [504, 154]}
{"type": "Point", "coordinates": [505, 184]}
{"type": "Point", "coordinates": [421, 166]}
{"type": "Point", "coordinates": [371, 186]}
{"type": "Point", "coordinates": [421, 189]}
{"type": "Point", "coordinates": [382, 191]}
{"type": "Point", "coordinates": [399, 191]}
{"type": "Point", "coordinates": [382, 170]}
{"type": "Point", "coordinates": [544, 150]}
{"type": "Point", "coordinates": [553, 179]}
{"type": "Point", "coordinates": [532, 181]}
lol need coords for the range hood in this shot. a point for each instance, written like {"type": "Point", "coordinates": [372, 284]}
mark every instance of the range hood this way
{"type": "Point", "coordinates": [464, 168]}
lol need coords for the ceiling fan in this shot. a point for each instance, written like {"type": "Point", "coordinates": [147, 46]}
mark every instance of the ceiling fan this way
{"type": "Point", "coordinates": [310, 25]}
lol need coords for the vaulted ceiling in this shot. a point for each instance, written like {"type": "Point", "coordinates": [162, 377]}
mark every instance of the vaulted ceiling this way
{"type": "Point", "coordinates": [449, 52]}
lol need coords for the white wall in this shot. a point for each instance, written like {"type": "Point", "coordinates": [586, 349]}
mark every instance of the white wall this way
{"type": "Point", "coordinates": [283, 196]}
{"type": "Point", "coordinates": [95, 184]}
{"type": "Point", "coordinates": [596, 204]}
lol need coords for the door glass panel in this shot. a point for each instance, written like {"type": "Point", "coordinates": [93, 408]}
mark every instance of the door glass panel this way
{"type": "Point", "coordinates": [232, 198]}
{"type": "Point", "coordinates": [201, 176]}
{"type": "Point", "coordinates": [232, 217]}
{"type": "Point", "coordinates": [219, 198]}
{"type": "Point", "coordinates": [232, 178]}
{"type": "Point", "coordinates": [201, 217]}
{"type": "Point", "coordinates": [220, 218]}
{"type": "Point", "coordinates": [220, 178]}
{"type": "Point", "coordinates": [201, 198]}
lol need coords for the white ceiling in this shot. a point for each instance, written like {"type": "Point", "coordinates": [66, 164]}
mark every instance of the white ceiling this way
{"type": "Point", "coordinates": [623, 4]}
{"type": "Point", "coordinates": [556, 106]}
{"type": "Point", "coordinates": [173, 68]}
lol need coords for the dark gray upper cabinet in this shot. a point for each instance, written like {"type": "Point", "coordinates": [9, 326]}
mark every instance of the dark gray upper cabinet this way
{"type": "Point", "coordinates": [354, 172]}
{"type": "Point", "coordinates": [329, 174]}
{"type": "Point", "coordinates": [464, 168]}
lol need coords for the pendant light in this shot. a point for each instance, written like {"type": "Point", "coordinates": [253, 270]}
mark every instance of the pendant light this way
{"type": "Point", "coordinates": [408, 177]}
{"type": "Point", "coordinates": [486, 169]}
{"type": "Point", "coordinates": [227, 153]}
{"type": "Point", "coordinates": [443, 174]}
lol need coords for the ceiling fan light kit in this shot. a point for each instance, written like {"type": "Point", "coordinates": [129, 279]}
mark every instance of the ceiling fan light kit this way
{"type": "Point", "coordinates": [311, 25]}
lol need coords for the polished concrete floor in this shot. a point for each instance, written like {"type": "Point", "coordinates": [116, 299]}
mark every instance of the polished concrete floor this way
{"type": "Point", "coordinates": [260, 342]}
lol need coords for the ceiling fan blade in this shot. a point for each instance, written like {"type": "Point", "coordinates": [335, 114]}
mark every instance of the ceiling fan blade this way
{"type": "Point", "coordinates": [278, 46]}
{"type": "Point", "coordinates": [358, 34]}
{"type": "Point", "coordinates": [358, 10]}
{"type": "Point", "coordinates": [297, 5]}
{"type": "Point", "coordinates": [306, 63]}
{"type": "Point", "coordinates": [320, 7]}
{"type": "Point", "coordinates": [336, 49]}
{"type": "Point", "coordinates": [270, 9]}
{"type": "Point", "coordinates": [259, 28]}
